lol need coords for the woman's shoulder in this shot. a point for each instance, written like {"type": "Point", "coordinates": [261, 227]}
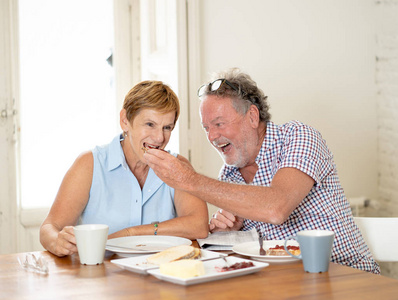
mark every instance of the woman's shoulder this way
{"type": "Point", "coordinates": [103, 148]}
{"type": "Point", "coordinates": [85, 159]}
{"type": "Point", "coordinates": [82, 168]}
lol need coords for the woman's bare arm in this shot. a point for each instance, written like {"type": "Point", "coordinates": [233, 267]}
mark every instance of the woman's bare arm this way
{"type": "Point", "coordinates": [56, 232]}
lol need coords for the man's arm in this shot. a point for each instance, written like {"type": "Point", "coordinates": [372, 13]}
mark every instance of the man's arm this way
{"type": "Point", "coordinates": [271, 204]}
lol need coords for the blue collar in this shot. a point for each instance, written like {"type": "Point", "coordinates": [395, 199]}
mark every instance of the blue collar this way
{"type": "Point", "coordinates": [116, 154]}
{"type": "Point", "coordinates": [117, 159]}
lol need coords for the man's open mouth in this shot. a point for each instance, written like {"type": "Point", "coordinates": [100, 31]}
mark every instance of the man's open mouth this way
{"type": "Point", "coordinates": [222, 147]}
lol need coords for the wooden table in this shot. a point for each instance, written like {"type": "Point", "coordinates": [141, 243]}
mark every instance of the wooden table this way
{"type": "Point", "coordinates": [68, 279]}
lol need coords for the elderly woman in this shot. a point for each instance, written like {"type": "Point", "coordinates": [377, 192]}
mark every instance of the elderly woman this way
{"type": "Point", "coordinates": [113, 184]}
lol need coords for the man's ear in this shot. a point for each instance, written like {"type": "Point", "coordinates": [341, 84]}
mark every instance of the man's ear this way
{"type": "Point", "coordinates": [254, 116]}
{"type": "Point", "coordinates": [123, 120]}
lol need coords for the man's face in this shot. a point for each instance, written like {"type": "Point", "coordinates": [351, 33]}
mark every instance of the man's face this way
{"type": "Point", "coordinates": [231, 133]}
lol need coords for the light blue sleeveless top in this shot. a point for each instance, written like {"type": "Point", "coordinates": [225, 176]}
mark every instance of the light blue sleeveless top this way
{"type": "Point", "coordinates": [116, 198]}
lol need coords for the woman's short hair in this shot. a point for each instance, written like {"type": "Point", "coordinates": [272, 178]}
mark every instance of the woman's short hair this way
{"type": "Point", "coordinates": [246, 94]}
{"type": "Point", "coordinates": [153, 95]}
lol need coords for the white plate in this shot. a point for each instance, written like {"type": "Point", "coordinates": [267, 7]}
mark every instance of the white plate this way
{"type": "Point", "coordinates": [140, 265]}
{"type": "Point", "coordinates": [252, 249]}
{"type": "Point", "coordinates": [211, 273]}
{"type": "Point", "coordinates": [145, 243]}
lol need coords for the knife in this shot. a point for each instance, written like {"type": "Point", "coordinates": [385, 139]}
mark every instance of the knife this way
{"type": "Point", "coordinates": [260, 241]}
{"type": "Point", "coordinates": [127, 248]}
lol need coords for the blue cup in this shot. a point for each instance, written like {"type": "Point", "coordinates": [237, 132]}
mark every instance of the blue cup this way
{"type": "Point", "coordinates": [316, 249]}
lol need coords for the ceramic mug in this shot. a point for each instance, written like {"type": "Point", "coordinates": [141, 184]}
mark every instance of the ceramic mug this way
{"type": "Point", "coordinates": [316, 249]}
{"type": "Point", "coordinates": [91, 242]}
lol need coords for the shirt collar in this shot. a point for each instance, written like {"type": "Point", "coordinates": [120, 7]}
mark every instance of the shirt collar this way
{"type": "Point", "coordinates": [271, 136]}
{"type": "Point", "coordinates": [116, 155]}
{"type": "Point", "coordinates": [117, 159]}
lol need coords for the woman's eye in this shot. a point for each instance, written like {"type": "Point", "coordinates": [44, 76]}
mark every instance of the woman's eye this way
{"type": "Point", "coordinates": [168, 128]}
{"type": "Point", "coordinates": [150, 124]}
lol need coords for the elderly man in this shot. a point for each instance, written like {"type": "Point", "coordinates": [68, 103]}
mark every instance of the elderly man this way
{"type": "Point", "coordinates": [279, 179]}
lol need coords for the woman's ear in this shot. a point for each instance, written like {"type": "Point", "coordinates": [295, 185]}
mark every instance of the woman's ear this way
{"type": "Point", "coordinates": [123, 120]}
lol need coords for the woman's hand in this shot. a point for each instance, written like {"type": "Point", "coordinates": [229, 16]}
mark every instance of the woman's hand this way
{"type": "Point", "coordinates": [225, 221]}
{"type": "Point", "coordinates": [65, 243]}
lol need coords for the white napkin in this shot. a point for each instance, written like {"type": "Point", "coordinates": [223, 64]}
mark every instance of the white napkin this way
{"type": "Point", "coordinates": [226, 240]}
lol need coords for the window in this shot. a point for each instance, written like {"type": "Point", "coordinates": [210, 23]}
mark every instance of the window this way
{"type": "Point", "coordinates": [67, 92]}
{"type": "Point", "coordinates": [158, 39]}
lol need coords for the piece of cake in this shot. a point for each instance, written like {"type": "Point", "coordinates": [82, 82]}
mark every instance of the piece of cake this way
{"type": "Point", "coordinates": [184, 268]}
{"type": "Point", "coordinates": [174, 253]}
{"type": "Point", "coordinates": [279, 250]}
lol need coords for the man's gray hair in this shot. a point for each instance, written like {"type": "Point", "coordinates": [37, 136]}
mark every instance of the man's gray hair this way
{"type": "Point", "coordinates": [247, 92]}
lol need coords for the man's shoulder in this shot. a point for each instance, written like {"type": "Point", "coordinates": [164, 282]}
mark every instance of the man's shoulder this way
{"type": "Point", "coordinates": [294, 126]}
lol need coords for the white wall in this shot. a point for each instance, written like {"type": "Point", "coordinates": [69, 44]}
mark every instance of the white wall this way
{"type": "Point", "coordinates": [8, 92]}
{"type": "Point", "coordinates": [387, 96]}
{"type": "Point", "coordinates": [316, 62]}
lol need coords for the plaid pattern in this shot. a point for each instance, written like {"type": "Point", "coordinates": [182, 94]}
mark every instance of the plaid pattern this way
{"type": "Point", "coordinates": [299, 146]}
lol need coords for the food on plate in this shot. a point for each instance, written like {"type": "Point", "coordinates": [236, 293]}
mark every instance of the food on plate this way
{"type": "Point", "coordinates": [236, 266]}
{"type": "Point", "coordinates": [279, 250]}
{"type": "Point", "coordinates": [173, 254]}
{"type": "Point", "coordinates": [184, 268]}
{"type": "Point", "coordinates": [146, 146]}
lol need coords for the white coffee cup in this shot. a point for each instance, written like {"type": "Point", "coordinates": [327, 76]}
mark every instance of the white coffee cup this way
{"type": "Point", "coordinates": [91, 241]}
{"type": "Point", "coordinates": [316, 249]}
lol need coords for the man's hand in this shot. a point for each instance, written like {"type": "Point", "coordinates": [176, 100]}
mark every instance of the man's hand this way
{"type": "Point", "coordinates": [175, 172]}
{"type": "Point", "coordinates": [225, 221]}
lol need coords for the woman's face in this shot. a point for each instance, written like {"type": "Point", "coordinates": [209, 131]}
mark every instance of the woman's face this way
{"type": "Point", "coordinates": [150, 129]}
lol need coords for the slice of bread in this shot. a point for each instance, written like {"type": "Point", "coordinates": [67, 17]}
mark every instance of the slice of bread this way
{"type": "Point", "coordinates": [174, 253]}
{"type": "Point", "coordinates": [183, 268]}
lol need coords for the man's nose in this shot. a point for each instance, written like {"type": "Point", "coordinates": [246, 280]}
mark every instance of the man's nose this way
{"type": "Point", "coordinates": [212, 134]}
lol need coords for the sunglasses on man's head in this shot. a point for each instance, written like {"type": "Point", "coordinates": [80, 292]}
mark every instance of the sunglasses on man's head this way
{"type": "Point", "coordinates": [215, 85]}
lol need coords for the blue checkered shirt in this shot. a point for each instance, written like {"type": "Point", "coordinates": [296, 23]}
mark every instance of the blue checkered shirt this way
{"type": "Point", "coordinates": [296, 145]}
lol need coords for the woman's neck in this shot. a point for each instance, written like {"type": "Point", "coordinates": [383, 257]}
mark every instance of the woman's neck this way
{"type": "Point", "coordinates": [136, 166]}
